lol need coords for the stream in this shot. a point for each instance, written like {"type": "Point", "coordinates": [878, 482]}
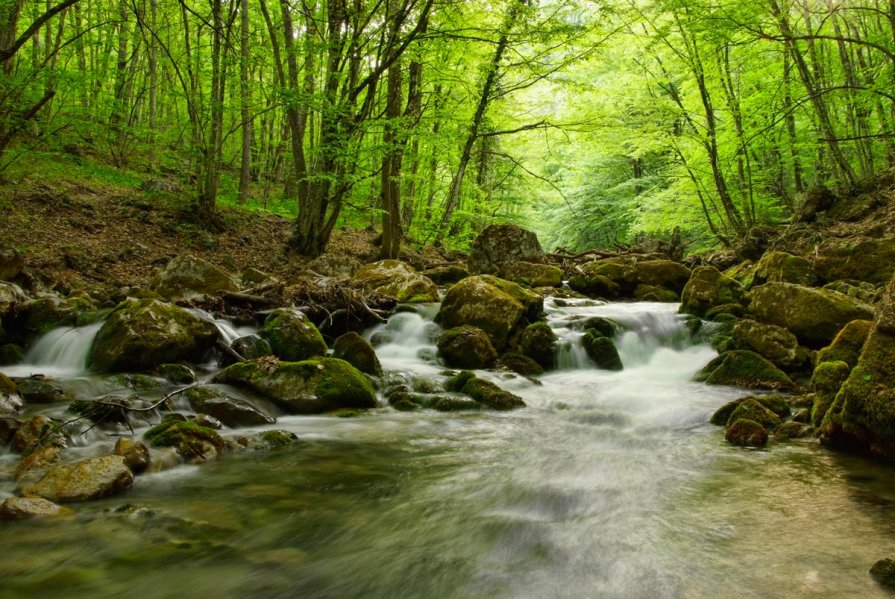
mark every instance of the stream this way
{"type": "Point", "coordinates": [609, 484]}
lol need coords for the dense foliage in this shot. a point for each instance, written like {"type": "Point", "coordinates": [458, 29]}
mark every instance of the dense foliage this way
{"type": "Point", "coordinates": [592, 122]}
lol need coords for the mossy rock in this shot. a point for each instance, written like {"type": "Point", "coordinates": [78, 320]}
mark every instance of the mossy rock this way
{"type": "Point", "coordinates": [780, 267]}
{"type": "Point", "coordinates": [724, 311]}
{"type": "Point", "coordinates": [595, 286]}
{"type": "Point", "coordinates": [7, 385]}
{"type": "Point", "coordinates": [655, 293]}
{"type": "Point", "coordinates": [813, 315]}
{"type": "Point", "coordinates": [456, 382]}
{"type": "Point", "coordinates": [530, 274]}
{"type": "Point", "coordinates": [455, 404]}
{"type": "Point", "coordinates": [750, 409]}
{"type": "Point", "coordinates": [446, 275]}
{"type": "Point", "coordinates": [179, 374]}
{"type": "Point", "coordinates": [604, 327]}
{"type": "Point", "coordinates": [746, 433]}
{"type": "Point", "coordinates": [190, 277]}
{"type": "Point", "coordinates": [770, 341]}
{"type": "Point", "coordinates": [358, 352]}
{"type": "Point", "coordinates": [742, 273]}
{"type": "Point", "coordinates": [273, 439]}
{"type": "Point", "coordinates": [826, 381]}
{"type": "Point", "coordinates": [191, 440]}
{"type": "Point", "coordinates": [500, 245]}
{"type": "Point", "coordinates": [11, 353]}
{"type": "Point", "coordinates": [292, 336]}
{"type": "Point", "coordinates": [500, 308]}
{"type": "Point", "coordinates": [519, 364]}
{"type": "Point", "coordinates": [307, 387]}
{"type": "Point", "coordinates": [773, 402]}
{"type": "Point", "coordinates": [860, 290]}
{"type": "Point", "coordinates": [466, 347]}
{"type": "Point", "coordinates": [883, 572]}
{"type": "Point", "coordinates": [538, 342]}
{"type": "Point", "coordinates": [143, 334]}
{"type": "Point", "coordinates": [228, 410]}
{"type": "Point", "coordinates": [135, 381]}
{"type": "Point", "coordinates": [846, 346]}
{"type": "Point", "coordinates": [791, 430]}
{"type": "Point", "coordinates": [491, 396]}
{"type": "Point", "coordinates": [251, 347]}
{"type": "Point", "coordinates": [83, 480]}
{"type": "Point", "coordinates": [743, 368]}
{"type": "Point", "coordinates": [396, 279]}
{"type": "Point", "coordinates": [38, 317]}
{"type": "Point", "coordinates": [601, 350]}
{"type": "Point", "coordinates": [707, 289]}
{"type": "Point", "coordinates": [854, 257]}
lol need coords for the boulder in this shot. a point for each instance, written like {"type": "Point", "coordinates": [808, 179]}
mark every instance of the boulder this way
{"type": "Point", "coordinates": [815, 316]}
{"type": "Point", "coordinates": [751, 409]}
{"type": "Point", "coordinates": [500, 308]}
{"type": "Point", "coordinates": [193, 442]}
{"type": "Point", "coordinates": [780, 267]}
{"type": "Point", "coordinates": [883, 572]}
{"type": "Point", "coordinates": [654, 293]}
{"type": "Point", "coordinates": [499, 246]}
{"type": "Point", "coordinates": [466, 347]}
{"type": "Point", "coordinates": [37, 431]}
{"type": "Point", "coordinates": [38, 317]}
{"type": "Point", "coordinates": [538, 342]}
{"type": "Point", "coordinates": [189, 277]}
{"type": "Point", "coordinates": [145, 333]}
{"type": "Point", "coordinates": [707, 289]}
{"type": "Point", "coordinates": [38, 389]}
{"type": "Point", "coordinates": [770, 341]}
{"type": "Point", "coordinates": [308, 387]}
{"type": "Point", "coordinates": [862, 258]}
{"type": "Point", "coordinates": [743, 368]}
{"type": "Point", "coordinates": [358, 352]}
{"type": "Point", "coordinates": [530, 274]}
{"type": "Point", "coordinates": [846, 346]}
{"type": "Point", "coordinates": [626, 273]}
{"type": "Point", "coordinates": [601, 350]}
{"type": "Point", "coordinates": [490, 395]}
{"type": "Point", "coordinates": [746, 433]}
{"type": "Point", "coordinates": [83, 480]}
{"type": "Point", "coordinates": [135, 454]}
{"type": "Point", "coordinates": [519, 364]}
{"type": "Point", "coordinates": [813, 202]}
{"type": "Point", "coordinates": [37, 461]}
{"type": "Point", "coordinates": [595, 285]}
{"type": "Point", "coordinates": [11, 263]}
{"type": "Point", "coordinates": [251, 347]}
{"type": "Point", "coordinates": [10, 402]}
{"type": "Point", "coordinates": [773, 402]}
{"type": "Point", "coordinates": [274, 439]}
{"type": "Point", "coordinates": [179, 374]}
{"type": "Point", "coordinates": [11, 295]}
{"type": "Point", "coordinates": [230, 411]}
{"type": "Point", "coordinates": [862, 416]}
{"type": "Point", "coordinates": [25, 508]}
{"type": "Point", "coordinates": [292, 336]}
{"type": "Point", "coordinates": [826, 381]}
{"type": "Point", "coordinates": [396, 279]}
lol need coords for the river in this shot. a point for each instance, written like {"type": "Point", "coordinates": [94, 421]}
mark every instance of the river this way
{"type": "Point", "coordinates": [609, 484]}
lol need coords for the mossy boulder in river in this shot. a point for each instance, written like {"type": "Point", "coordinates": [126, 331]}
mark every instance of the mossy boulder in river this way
{"type": "Point", "coordinates": [538, 342]}
{"type": "Point", "coordinates": [753, 410]}
{"type": "Point", "coordinates": [627, 273]}
{"type": "Point", "coordinates": [358, 352]}
{"type": "Point", "coordinates": [773, 402]}
{"type": "Point", "coordinates": [396, 279]}
{"type": "Point", "coordinates": [230, 411]}
{"type": "Point", "coordinates": [813, 315]}
{"type": "Point", "coordinates": [862, 416]}
{"type": "Point", "coordinates": [192, 441]}
{"type": "Point", "coordinates": [25, 508]}
{"type": "Point", "coordinates": [143, 334]}
{"type": "Point", "coordinates": [707, 289]}
{"type": "Point", "coordinates": [770, 341]}
{"type": "Point", "coordinates": [292, 337]}
{"type": "Point", "coordinates": [780, 267]}
{"type": "Point", "coordinates": [530, 274]}
{"type": "Point", "coordinates": [601, 350]}
{"type": "Point", "coordinates": [500, 308]}
{"type": "Point", "coordinates": [490, 395]}
{"type": "Point", "coordinates": [826, 381]}
{"type": "Point", "coordinates": [746, 433]}
{"type": "Point", "coordinates": [743, 368]}
{"type": "Point", "coordinates": [466, 347]}
{"type": "Point", "coordinates": [308, 387]}
{"type": "Point", "coordinates": [501, 245]}
{"type": "Point", "coordinates": [82, 480]}
{"type": "Point", "coordinates": [189, 277]}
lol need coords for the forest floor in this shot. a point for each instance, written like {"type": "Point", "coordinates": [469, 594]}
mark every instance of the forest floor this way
{"type": "Point", "coordinates": [85, 227]}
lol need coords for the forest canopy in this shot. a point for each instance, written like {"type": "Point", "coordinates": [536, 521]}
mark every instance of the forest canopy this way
{"type": "Point", "coordinates": [591, 122]}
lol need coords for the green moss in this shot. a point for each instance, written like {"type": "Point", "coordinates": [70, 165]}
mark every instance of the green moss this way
{"type": "Point", "coordinates": [708, 288]}
{"type": "Point", "coordinates": [750, 409]}
{"type": "Point", "coordinates": [292, 336]}
{"type": "Point", "coordinates": [519, 364]}
{"type": "Point", "coordinates": [456, 404]}
{"type": "Point", "coordinates": [744, 368]}
{"type": "Point", "coordinates": [846, 347]}
{"type": "Point", "coordinates": [457, 382]}
{"type": "Point", "coordinates": [491, 396]}
{"type": "Point", "coordinates": [602, 351]}
{"type": "Point", "coordinates": [7, 386]}
{"type": "Point", "coordinates": [274, 439]}
{"type": "Point", "coordinates": [92, 316]}
{"type": "Point", "coordinates": [178, 434]}
{"type": "Point", "coordinates": [466, 347]}
{"type": "Point", "coordinates": [358, 352]}
{"type": "Point", "coordinates": [746, 433]}
{"type": "Point", "coordinates": [538, 342]}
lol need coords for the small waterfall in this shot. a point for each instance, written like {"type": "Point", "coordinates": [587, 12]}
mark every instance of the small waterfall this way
{"type": "Point", "coordinates": [229, 333]}
{"type": "Point", "coordinates": [62, 351]}
{"type": "Point", "coordinates": [407, 339]}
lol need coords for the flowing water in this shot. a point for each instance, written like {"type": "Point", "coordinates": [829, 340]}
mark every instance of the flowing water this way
{"type": "Point", "coordinates": [607, 485]}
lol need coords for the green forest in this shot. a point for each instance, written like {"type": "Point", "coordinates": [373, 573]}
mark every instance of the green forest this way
{"type": "Point", "coordinates": [593, 123]}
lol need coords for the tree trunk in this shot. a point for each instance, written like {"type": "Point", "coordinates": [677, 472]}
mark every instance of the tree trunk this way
{"type": "Point", "coordinates": [245, 170]}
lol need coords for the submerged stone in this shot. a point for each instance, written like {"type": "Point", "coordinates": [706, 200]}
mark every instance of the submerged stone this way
{"type": "Point", "coordinates": [83, 480]}
{"type": "Point", "coordinates": [746, 433]}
